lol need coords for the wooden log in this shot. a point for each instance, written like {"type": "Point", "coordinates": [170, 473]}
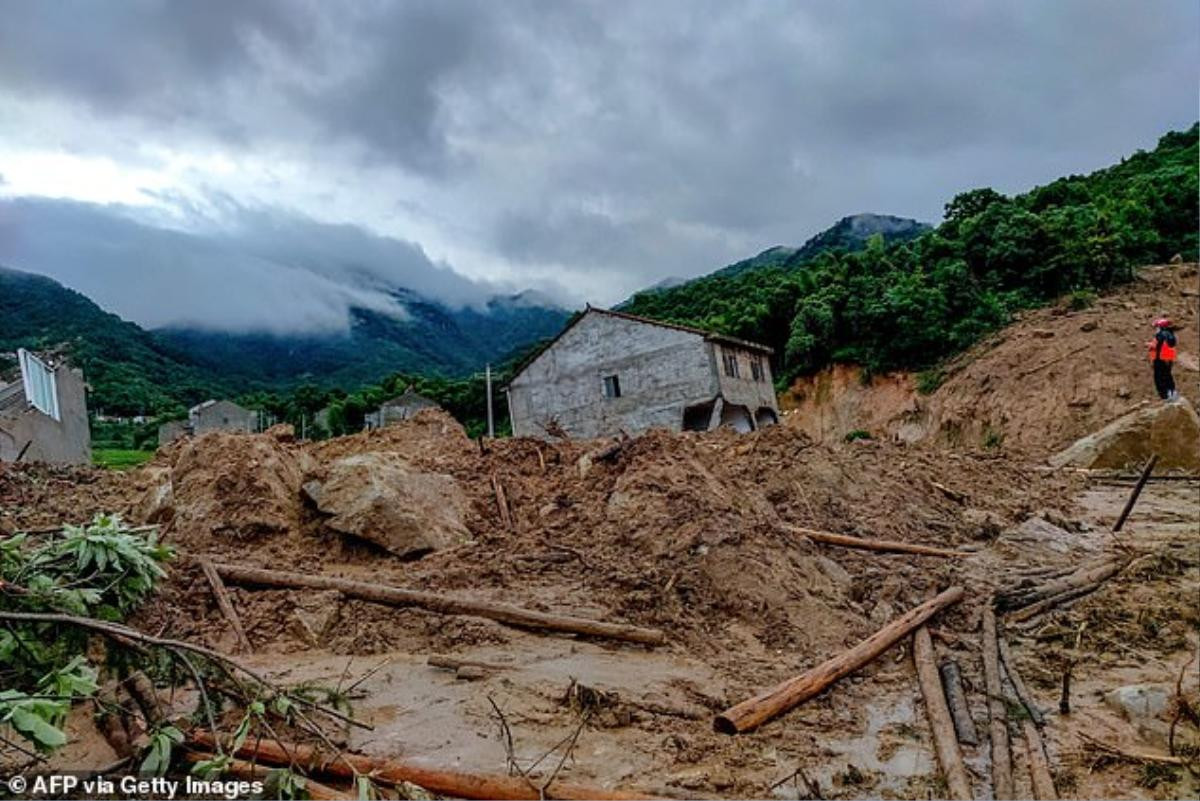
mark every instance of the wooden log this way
{"type": "Point", "coordinates": [1089, 575]}
{"type": "Point", "coordinates": [886, 546]}
{"type": "Point", "coordinates": [945, 740]}
{"type": "Point", "coordinates": [753, 712]}
{"type": "Point", "coordinates": [1039, 765]}
{"type": "Point", "coordinates": [1002, 779]}
{"type": "Point", "coordinates": [454, 663]}
{"type": "Point", "coordinates": [1137, 490]}
{"type": "Point", "coordinates": [1018, 685]}
{"type": "Point", "coordinates": [451, 783]}
{"type": "Point", "coordinates": [443, 604]}
{"type": "Point", "coordinates": [250, 771]}
{"type": "Point", "coordinates": [956, 699]}
{"type": "Point", "coordinates": [502, 502]}
{"type": "Point", "coordinates": [225, 604]}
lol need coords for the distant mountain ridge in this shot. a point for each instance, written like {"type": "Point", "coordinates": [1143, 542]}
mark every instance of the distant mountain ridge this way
{"type": "Point", "coordinates": [847, 234]}
{"type": "Point", "coordinates": [135, 371]}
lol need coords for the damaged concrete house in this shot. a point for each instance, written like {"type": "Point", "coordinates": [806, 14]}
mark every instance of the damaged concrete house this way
{"type": "Point", "coordinates": [398, 408]}
{"type": "Point", "coordinates": [212, 415]}
{"type": "Point", "coordinates": [608, 372]}
{"type": "Point", "coordinates": [43, 412]}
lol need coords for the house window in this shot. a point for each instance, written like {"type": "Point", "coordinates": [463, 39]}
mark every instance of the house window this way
{"type": "Point", "coordinates": [731, 364]}
{"type": "Point", "coordinates": [756, 369]}
{"type": "Point", "coordinates": [612, 386]}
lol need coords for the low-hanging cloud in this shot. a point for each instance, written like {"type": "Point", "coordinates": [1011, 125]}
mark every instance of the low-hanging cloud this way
{"type": "Point", "coordinates": [258, 270]}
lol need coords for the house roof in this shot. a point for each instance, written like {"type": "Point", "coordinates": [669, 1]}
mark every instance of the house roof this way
{"type": "Point", "coordinates": [410, 395]}
{"type": "Point", "coordinates": [710, 336]}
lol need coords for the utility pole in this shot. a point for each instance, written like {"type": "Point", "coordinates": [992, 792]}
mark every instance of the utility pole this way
{"type": "Point", "coordinates": [491, 425]}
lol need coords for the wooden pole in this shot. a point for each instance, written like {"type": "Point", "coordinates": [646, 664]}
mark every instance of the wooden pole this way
{"type": "Point", "coordinates": [1022, 692]}
{"type": "Point", "coordinates": [1137, 490]}
{"type": "Point", "coordinates": [450, 783]}
{"type": "Point", "coordinates": [224, 604]}
{"type": "Point", "coordinates": [443, 604]}
{"type": "Point", "coordinates": [1002, 779]}
{"type": "Point", "coordinates": [956, 699]}
{"type": "Point", "coordinates": [753, 712]}
{"type": "Point", "coordinates": [490, 418]}
{"type": "Point", "coordinates": [1039, 765]}
{"type": "Point", "coordinates": [945, 740]}
{"type": "Point", "coordinates": [1086, 578]}
{"type": "Point", "coordinates": [887, 546]}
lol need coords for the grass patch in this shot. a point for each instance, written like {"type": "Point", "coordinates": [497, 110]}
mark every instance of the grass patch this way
{"type": "Point", "coordinates": [120, 458]}
{"type": "Point", "coordinates": [929, 380]}
{"type": "Point", "coordinates": [856, 434]}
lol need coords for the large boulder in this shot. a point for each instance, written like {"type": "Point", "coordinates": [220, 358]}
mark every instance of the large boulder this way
{"type": "Point", "coordinates": [381, 498]}
{"type": "Point", "coordinates": [1172, 430]}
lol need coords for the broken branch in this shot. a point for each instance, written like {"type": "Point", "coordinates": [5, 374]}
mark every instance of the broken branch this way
{"type": "Point", "coordinates": [224, 604]}
{"type": "Point", "coordinates": [887, 546]}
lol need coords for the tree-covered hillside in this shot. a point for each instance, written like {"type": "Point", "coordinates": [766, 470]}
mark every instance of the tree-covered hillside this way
{"type": "Point", "coordinates": [911, 304]}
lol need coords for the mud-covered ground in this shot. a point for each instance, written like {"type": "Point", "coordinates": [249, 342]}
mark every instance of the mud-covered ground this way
{"type": "Point", "coordinates": [687, 533]}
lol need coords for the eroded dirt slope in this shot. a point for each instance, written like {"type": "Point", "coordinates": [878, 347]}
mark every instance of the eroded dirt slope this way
{"type": "Point", "coordinates": [1033, 388]}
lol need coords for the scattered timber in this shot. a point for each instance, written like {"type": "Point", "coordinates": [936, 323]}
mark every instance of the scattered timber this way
{"type": "Point", "coordinates": [1137, 490]}
{"type": "Point", "coordinates": [450, 783]}
{"type": "Point", "coordinates": [502, 502]}
{"type": "Point", "coordinates": [956, 699]}
{"type": "Point", "coordinates": [1018, 685]}
{"type": "Point", "coordinates": [1083, 580]}
{"type": "Point", "coordinates": [945, 739]}
{"type": "Point", "coordinates": [887, 546]}
{"type": "Point", "coordinates": [753, 712]}
{"type": "Point", "coordinates": [1129, 754]}
{"type": "Point", "coordinates": [1002, 778]}
{"type": "Point", "coordinates": [454, 663]}
{"type": "Point", "coordinates": [443, 604]}
{"type": "Point", "coordinates": [1039, 766]}
{"type": "Point", "coordinates": [225, 604]}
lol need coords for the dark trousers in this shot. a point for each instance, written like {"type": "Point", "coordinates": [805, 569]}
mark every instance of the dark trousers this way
{"type": "Point", "coordinates": [1164, 382]}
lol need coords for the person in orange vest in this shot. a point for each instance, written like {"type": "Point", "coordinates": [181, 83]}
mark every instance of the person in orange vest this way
{"type": "Point", "coordinates": [1162, 355]}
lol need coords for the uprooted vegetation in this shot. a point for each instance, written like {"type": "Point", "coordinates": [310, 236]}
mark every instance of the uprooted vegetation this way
{"type": "Point", "coordinates": [697, 536]}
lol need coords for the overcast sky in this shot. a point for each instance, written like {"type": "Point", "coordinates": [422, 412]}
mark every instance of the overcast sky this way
{"type": "Point", "coordinates": [258, 164]}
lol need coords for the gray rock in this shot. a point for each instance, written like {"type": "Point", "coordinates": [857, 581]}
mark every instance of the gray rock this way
{"type": "Point", "coordinates": [380, 498]}
{"type": "Point", "coordinates": [1139, 702]}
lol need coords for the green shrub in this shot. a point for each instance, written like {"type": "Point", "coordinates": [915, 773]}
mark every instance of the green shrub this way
{"type": "Point", "coordinates": [928, 381]}
{"type": "Point", "coordinates": [857, 434]}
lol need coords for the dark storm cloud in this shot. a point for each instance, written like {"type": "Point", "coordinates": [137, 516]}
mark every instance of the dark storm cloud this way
{"type": "Point", "coordinates": [632, 140]}
{"type": "Point", "coordinates": [258, 270]}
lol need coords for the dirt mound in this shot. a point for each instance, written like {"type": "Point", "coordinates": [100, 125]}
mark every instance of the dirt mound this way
{"type": "Point", "coordinates": [1053, 376]}
{"type": "Point", "coordinates": [36, 496]}
{"type": "Point", "coordinates": [1171, 430]}
{"type": "Point", "coordinates": [233, 487]}
{"type": "Point", "coordinates": [428, 438]}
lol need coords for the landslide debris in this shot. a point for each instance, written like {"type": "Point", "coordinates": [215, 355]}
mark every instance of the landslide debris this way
{"type": "Point", "coordinates": [1171, 430]}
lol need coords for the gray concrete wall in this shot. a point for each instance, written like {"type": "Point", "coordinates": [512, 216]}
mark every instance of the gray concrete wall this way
{"type": "Point", "coordinates": [224, 416]}
{"type": "Point", "coordinates": [661, 371]}
{"type": "Point", "coordinates": [744, 390]}
{"type": "Point", "coordinates": [171, 431]}
{"type": "Point", "coordinates": [65, 441]}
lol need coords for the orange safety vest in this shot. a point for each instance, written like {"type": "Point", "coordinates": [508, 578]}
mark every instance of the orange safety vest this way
{"type": "Point", "coordinates": [1167, 354]}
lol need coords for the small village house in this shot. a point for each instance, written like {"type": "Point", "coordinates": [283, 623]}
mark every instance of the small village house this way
{"type": "Point", "coordinates": [43, 412]}
{"type": "Point", "coordinates": [401, 407]}
{"type": "Point", "coordinates": [212, 415]}
{"type": "Point", "coordinates": [609, 372]}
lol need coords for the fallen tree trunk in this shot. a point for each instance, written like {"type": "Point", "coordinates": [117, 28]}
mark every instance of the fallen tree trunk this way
{"type": "Point", "coordinates": [1137, 490]}
{"type": "Point", "coordinates": [443, 604]}
{"type": "Point", "coordinates": [945, 740]}
{"type": "Point", "coordinates": [1039, 765]}
{"type": "Point", "coordinates": [753, 712]}
{"type": "Point", "coordinates": [956, 699]}
{"type": "Point", "coordinates": [886, 546]}
{"type": "Point", "coordinates": [455, 784]}
{"type": "Point", "coordinates": [224, 604]}
{"type": "Point", "coordinates": [1002, 779]}
{"type": "Point", "coordinates": [1018, 685]}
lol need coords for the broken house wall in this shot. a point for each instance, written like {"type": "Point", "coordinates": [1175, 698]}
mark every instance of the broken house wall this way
{"type": "Point", "coordinates": [65, 441]}
{"type": "Point", "coordinates": [661, 371]}
{"type": "Point", "coordinates": [757, 395]}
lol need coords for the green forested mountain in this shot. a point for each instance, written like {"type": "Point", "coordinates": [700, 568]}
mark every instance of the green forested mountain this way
{"type": "Point", "coordinates": [133, 371]}
{"type": "Point", "coordinates": [910, 304]}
